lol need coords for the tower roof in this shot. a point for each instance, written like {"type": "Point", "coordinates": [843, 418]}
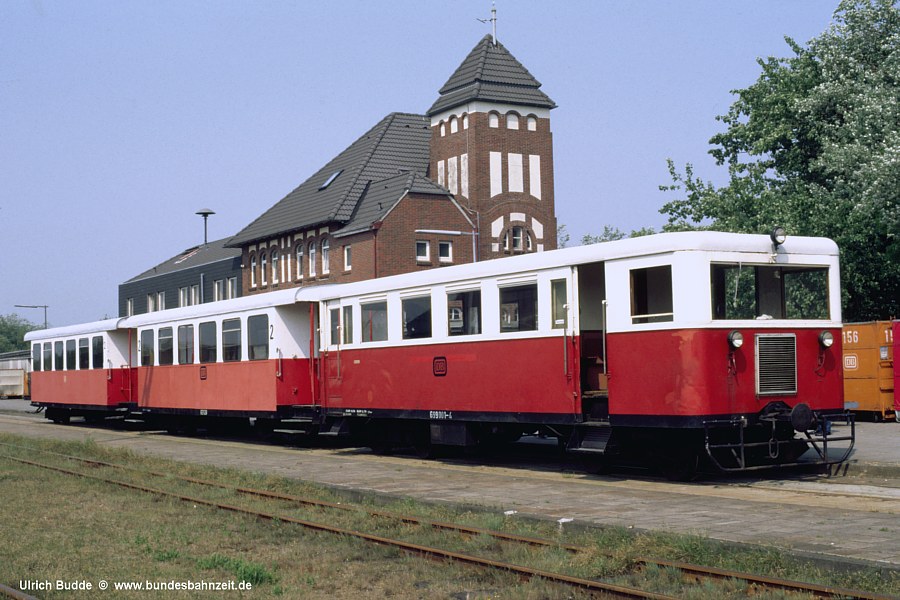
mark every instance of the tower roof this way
{"type": "Point", "coordinates": [490, 73]}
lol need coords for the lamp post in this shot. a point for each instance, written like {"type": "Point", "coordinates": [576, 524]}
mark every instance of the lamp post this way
{"type": "Point", "coordinates": [205, 212]}
{"type": "Point", "coordinates": [44, 306]}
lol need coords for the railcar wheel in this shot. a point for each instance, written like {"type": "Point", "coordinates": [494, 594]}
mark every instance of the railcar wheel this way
{"type": "Point", "coordinates": [59, 416]}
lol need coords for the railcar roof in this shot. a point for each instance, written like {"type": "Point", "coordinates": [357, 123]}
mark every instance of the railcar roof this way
{"type": "Point", "coordinates": [73, 330]}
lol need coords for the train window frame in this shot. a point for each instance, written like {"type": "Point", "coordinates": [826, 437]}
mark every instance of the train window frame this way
{"type": "Point", "coordinates": [258, 337]}
{"type": "Point", "coordinates": [512, 316]}
{"type": "Point", "coordinates": [347, 316]}
{"type": "Point", "coordinates": [374, 320]}
{"type": "Point", "coordinates": [207, 332]}
{"type": "Point", "coordinates": [334, 326]}
{"type": "Point", "coordinates": [769, 292]}
{"type": "Point", "coordinates": [165, 349]}
{"type": "Point", "coordinates": [186, 344]}
{"type": "Point", "coordinates": [71, 355]}
{"type": "Point", "coordinates": [48, 356]}
{"type": "Point", "coordinates": [37, 363]}
{"type": "Point", "coordinates": [231, 340]}
{"type": "Point", "coordinates": [416, 317]}
{"type": "Point", "coordinates": [465, 308]}
{"type": "Point", "coordinates": [146, 347]}
{"type": "Point", "coordinates": [652, 299]}
{"type": "Point", "coordinates": [58, 356]}
{"type": "Point", "coordinates": [97, 352]}
{"type": "Point", "coordinates": [84, 357]}
{"type": "Point", "coordinates": [559, 301]}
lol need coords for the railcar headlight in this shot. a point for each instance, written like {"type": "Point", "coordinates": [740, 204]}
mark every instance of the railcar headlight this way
{"type": "Point", "coordinates": [826, 339]}
{"type": "Point", "coordinates": [778, 236]}
{"type": "Point", "coordinates": [735, 339]}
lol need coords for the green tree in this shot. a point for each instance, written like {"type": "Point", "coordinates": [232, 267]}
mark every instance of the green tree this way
{"type": "Point", "coordinates": [814, 146]}
{"type": "Point", "coordinates": [12, 329]}
{"type": "Point", "coordinates": [610, 234]}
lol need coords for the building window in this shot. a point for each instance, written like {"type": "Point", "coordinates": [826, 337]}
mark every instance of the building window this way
{"type": "Point", "coordinates": [129, 307]}
{"type": "Point", "coordinates": [326, 257]}
{"type": "Point", "coordinates": [454, 125]}
{"type": "Point", "coordinates": [219, 289]}
{"type": "Point", "coordinates": [651, 294]}
{"type": "Point", "coordinates": [445, 252]}
{"type": "Point", "coordinates": [84, 353]}
{"type": "Point", "coordinates": [275, 261]}
{"type": "Point", "coordinates": [374, 322]}
{"type": "Point", "coordinates": [532, 123]}
{"type": "Point", "coordinates": [258, 337]}
{"type": "Point", "coordinates": [160, 301]}
{"type": "Point", "coordinates": [263, 269]}
{"type": "Point", "coordinates": [512, 121]}
{"type": "Point", "coordinates": [195, 294]}
{"type": "Point", "coordinates": [464, 313]}
{"type": "Point", "coordinates": [231, 290]}
{"type": "Point", "coordinates": [253, 271]}
{"type": "Point", "coordinates": [186, 344]}
{"type": "Point", "coordinates": [165, 346]}
{"type": "Point", "coordinates": [518, 239]}
{"type": "Point", "coordinates": [465, 120]}
{"type": "Point", "coordinates": [493, 120]}
{"type": "Point", "coordinates": [348, 258]}
{"type": "Point", "coordinates": [151, 303]}
{"type": "Point", "coordinates": [184, 297]}
{"type": "Point", "coordinates": [443, 129]}
{"type": "Point", "coordinates": [312, 259]}
{"type": "Point", "coordinates": [231, 340]}
{"type": "Point", "coordinates": [441, 176]}
{"type": "Point", "coordinates": [518, 308]}
{"type": "Point", "coordinates": [416, 318]}
{"type": "Point", "coordinates": [299, 260]}
{"type": "Point", "coordinates": [208, 342]}
{"type": "Point", "coordinates": [147, 348]}
{"type": "Point", "coordinates": [423, 251]}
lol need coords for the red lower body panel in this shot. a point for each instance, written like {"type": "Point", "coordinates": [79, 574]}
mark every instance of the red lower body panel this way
{"type": "Point", "coordinates": [95, 387]}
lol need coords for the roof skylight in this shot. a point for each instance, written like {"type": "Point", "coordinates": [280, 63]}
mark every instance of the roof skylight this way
{"type": "Point", "coordinates": [331, 179]}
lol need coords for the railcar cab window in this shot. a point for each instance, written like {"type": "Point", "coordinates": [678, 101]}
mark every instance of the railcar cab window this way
{"type": "Point", "coordinates": [48, 356]}
{"type": "Point", "coordinates": [147, 348]}
{"type": "Point", "coordinates": [35, 357]}
{"type": "Point", "coordinates": [58, 356]}
{"type": "Point", "coordinates": [97, 351]}
{"type": "Point", "coordinates": [742, 291]}
{"type": "Point", "coordinates": [558, 300]}
{"type": "Point", "coordinates": [84, 353]}
{"type": "Point", "coordinates": [651, 295]}
{"type": "Point", "coordinates": [334, 316]}
{"type": "Point", "coordinates": [231, 340]}
{"type": "Point", "coordinates": [374, 322]}
{"type": "Point", "coordinates": [518, 308]}
{"type": "Point", "coordinates": [258, 337]}
{"type": "Point", "coordinates": [348, 325]}
{"type": "Point", "coordinates": [464, 313]}
{"type": "Point", "coordinates": [70, 355]}
{"type": "Point", "coordinates": [416, 318]}
{"type": "Point", "coordinates": [208, 342]}
{"type": "Point", "coordinates": [185, 344]}
{"type": "Point", "coordinates": [166, 351]}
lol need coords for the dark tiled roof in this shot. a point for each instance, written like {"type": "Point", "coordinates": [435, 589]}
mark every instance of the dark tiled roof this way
{"type": "Point", "coordinates": [399, 142]}
{"type": "Point", "coordinates": [382, 196]}
{"type": "Point", "coordinates": [491, 73]}
{"type": "Point", "coordinates": [192, 257]}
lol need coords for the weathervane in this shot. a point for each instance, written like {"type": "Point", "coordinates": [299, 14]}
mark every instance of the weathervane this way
{"type": "Point", "coordinates": [493, 21]}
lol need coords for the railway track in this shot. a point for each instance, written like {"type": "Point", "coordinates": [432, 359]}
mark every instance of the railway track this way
{"type": "Point", "coordinates": [755, 583]}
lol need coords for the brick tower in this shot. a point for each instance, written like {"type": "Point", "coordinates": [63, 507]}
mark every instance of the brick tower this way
{"type": "Point", "coordinates": [491, 146]}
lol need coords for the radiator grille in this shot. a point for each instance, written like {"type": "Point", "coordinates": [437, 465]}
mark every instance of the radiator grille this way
{"type": "Point", "coordinates": [776, 364]}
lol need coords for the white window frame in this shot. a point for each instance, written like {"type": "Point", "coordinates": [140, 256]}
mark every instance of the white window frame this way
{"type": "Point", "coordinates": [184, 296]}
{"type": "Point", "coordinates": [449, 257]}
{"type": "Point", "coordinates": [276, 260]}
{"type": "Point", "coordinates": [264, 269]}
{"type": "Point", "coordinates": [326, 257]}
{"type": "Point", "coordinates": [348, 257]}
{"type": "Point", "coordinates": [299, 260]}
{"type": "Point", "coordinates": [195, 294]}
{"type": "Point", "coordinates": [219, 289]}
{"type": "Point", "coordinates": [231, 288]}
{"type": "Point", "coordinates": [253, 271]}
{"type": "Point", "coordinates": [423, 257]}
{"type": "Point", "coordinates": [312, 258]}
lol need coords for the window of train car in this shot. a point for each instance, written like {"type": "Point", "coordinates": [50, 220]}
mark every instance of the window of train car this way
{"type": "Point", "coordinates": [519, 308]}
{"type": "Point", "coordinates": [35, 357]}
{"type": "Point", "coordinates": [764, 291]}
{"type": "Point", "coordinates": [258, 337]}
{"type": "Point", "coordinates": [334, 318]}
{"type": "Point", "coordinates": [231, 340]}
{"type": "Point", "coordinates": [651, 295]}
{"type": "Point", "coordinates": [48, 356]}
{"type": "Point", "coordinates": [464, 313]}
{"type": "Point", "coordinates": [416, 318]}
{"type": "Point", "coordinates": [374, 322]}
{"type": "Point", "coordinates": [166, 350]}
{"type": "Point", "coordinates": [70, 355]}
{"type": "Point", "coordinates": [348, 325]}
{"type": "Point", "coordinates": [97, 351]}
{"type": "Point", "coordinates": [58, 356]}
{"type": "Point", "coordinates": [208, 342]}
{"type": "Point", "coordinates": [147, 348]}
{"type": "Point", "coordinates": [558, 298]}
{"type": "Point", "coordinates": [186, 344]}
{"type": "Point", "coordinates": [84, 353]}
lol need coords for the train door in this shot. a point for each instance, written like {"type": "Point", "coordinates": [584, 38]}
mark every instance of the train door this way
{"type": "Point", "coordinates": [331, 332]}
{"type": "Point", "coordinates": [592, 341]}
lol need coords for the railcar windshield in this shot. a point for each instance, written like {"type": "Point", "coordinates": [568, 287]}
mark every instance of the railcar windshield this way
{"type": "Point", "coordinates": [741, 291]}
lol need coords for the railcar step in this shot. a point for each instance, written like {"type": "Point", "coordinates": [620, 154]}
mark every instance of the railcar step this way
{"type": "Point", "coordinates": [590, 437]}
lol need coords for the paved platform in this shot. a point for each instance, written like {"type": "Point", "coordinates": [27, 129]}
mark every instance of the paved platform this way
{"type": "Point", "coordinates": [847, 522]}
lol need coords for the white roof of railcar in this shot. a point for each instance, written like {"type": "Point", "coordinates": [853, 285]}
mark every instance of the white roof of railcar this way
{"type": "Point", "coordinates": [663, 243]}
{"type": "Point", "coordinates": [73, 330]}
{"type": "Point", "coordinates": [252, 302]}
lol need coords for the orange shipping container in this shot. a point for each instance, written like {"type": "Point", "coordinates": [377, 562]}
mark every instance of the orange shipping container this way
{"type": "Point", "coordinates": [869, 369]}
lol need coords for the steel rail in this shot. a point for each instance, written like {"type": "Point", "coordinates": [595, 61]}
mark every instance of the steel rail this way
{"type": "Point", "coordinates": [820, 591]}
{"type": "Point", "coordinates": [427, 551]}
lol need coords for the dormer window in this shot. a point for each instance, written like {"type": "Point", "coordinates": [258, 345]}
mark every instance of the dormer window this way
{"type": "Point", "coordinates": [331, 179]}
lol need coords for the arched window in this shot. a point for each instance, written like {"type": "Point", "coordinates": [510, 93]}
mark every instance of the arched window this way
{"type": "Point", "coordinates": [252, 270]}
{"type": "Point", "coordinates": [275, 264]}
{"type": "Point", "coordinates": [326, 257]}
{"type": "Point", "coordinates": [465, 121]}
{"type": "Point", "coordinates": [443, 129]}
{"type": "Point", "coordinates": [263, 269]}
{"type": "Point", "coordinates": [532, 123]}
{"type": "Point", "coordinates": [299, 260]}
{"type": "Point", "coordinates": [512, 120]}
{"type": "Point", "coordinates": [493, 120]}
{"type": "Point", "coordinates": [454, 124]}
{"type": "Point", "coordinates": [312, 259]}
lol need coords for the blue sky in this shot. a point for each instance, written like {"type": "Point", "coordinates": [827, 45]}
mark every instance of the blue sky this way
{"type": "Point", "coordinates": [120, 119]}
